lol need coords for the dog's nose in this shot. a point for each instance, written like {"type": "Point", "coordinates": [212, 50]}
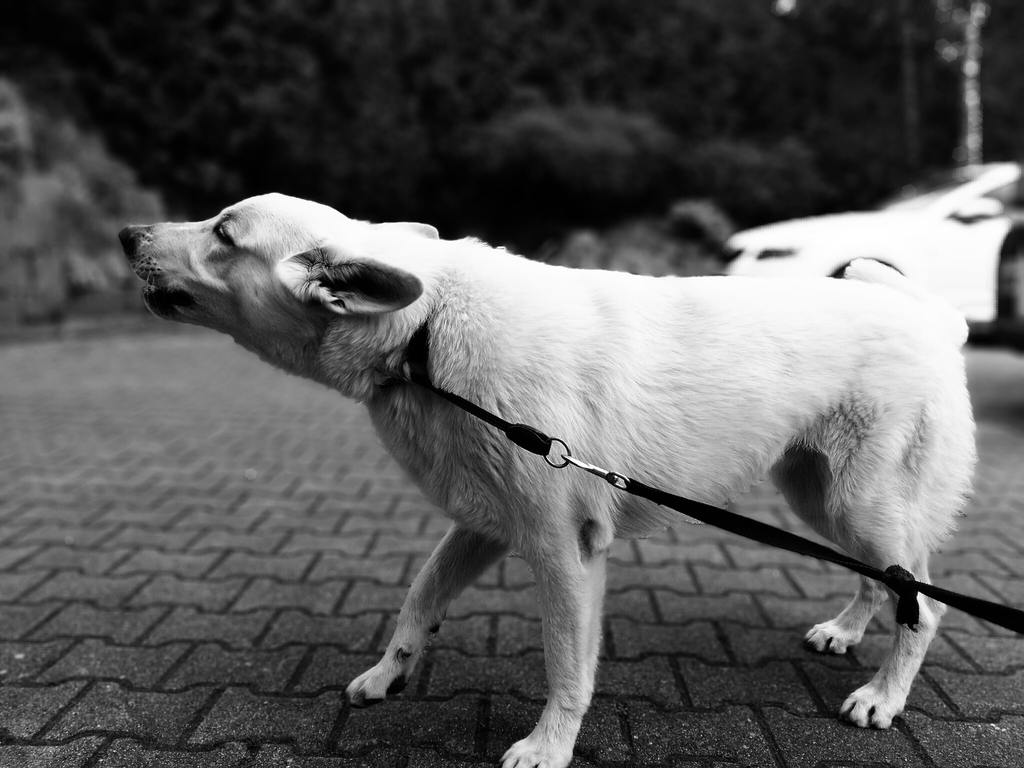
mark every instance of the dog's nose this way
{"type": "Point", "coordinates": [130, 237]}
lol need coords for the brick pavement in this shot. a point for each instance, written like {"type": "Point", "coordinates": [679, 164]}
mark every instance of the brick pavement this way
{"type": "Point", "coordinates": [197, 553]}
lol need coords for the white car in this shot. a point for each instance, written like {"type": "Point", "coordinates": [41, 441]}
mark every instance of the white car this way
{"type": "Point", "coordinates": [945, 233]}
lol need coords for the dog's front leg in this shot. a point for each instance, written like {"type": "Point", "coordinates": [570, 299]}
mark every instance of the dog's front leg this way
{"type": "Point", "coordinates": [457, 560]}
{"type": "Point", "coordinates": [571, 584]}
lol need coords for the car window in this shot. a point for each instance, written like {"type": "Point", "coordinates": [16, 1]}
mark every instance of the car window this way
{"type": "Point", "coordinates": [1008, 194]}
{"type": "Point", "coordinates": [920, 194]}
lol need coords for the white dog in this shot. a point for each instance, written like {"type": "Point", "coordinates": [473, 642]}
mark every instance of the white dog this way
{"type": "Point", "coordinates": [850, 393]}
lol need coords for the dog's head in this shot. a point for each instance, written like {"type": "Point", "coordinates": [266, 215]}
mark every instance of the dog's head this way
{"type": "Point", "coordinates": [274, 267]}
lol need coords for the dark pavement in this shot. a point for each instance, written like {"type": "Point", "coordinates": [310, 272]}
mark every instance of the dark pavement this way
{"type": "Point", "coordinates": [197, 553]}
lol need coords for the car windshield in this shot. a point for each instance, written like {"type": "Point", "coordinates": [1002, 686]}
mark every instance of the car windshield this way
{"type": "Point", "coordinates": [920, 194]}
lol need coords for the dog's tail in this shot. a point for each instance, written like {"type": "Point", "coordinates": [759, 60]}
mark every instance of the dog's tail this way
{"type": "Point", "coordinates": [871, 271]}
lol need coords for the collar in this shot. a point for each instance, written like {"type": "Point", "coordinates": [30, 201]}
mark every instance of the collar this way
{"type": "Point", "coordinates": [415, 365]}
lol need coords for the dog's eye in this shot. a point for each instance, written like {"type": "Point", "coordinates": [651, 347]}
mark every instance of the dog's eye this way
{"type": "Point", "coordinates": [222, 234]}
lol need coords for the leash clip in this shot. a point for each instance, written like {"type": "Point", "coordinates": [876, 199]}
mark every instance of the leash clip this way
{"type": "Point", "coordinates": [613, 478]}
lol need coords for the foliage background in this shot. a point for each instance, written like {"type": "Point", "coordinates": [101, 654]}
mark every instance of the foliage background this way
{"type": "Point", "coordinates": [513, 119]}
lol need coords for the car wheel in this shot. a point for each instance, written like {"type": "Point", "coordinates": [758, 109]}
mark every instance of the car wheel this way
{"type": "Point", "coordinates": [1010, 288]}
{"type": "Point", "coordinates": [839, 272]}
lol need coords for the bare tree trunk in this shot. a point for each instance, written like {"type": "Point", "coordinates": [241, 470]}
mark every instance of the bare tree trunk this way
{"type": "Point", "coordinates": [971, 144]}
{"type": "Point", "coordinates": [908, 75]}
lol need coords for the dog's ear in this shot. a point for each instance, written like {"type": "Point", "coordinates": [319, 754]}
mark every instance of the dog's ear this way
{"type": "Point", "coordinates": [348, 285]}
{"type": "Point", "coordinates": [424, 230]}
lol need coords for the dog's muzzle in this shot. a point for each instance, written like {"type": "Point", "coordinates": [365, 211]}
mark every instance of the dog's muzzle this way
{"type": "Point", "coordinates": [164, 301]}
{"type": "Point", "coordinates": [160, 300]}
{"type": "Point", "coordinates": [132, 237]}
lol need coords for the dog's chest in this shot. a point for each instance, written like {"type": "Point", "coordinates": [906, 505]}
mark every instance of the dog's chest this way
{"type": "Point", "coordinates": [465, 468]}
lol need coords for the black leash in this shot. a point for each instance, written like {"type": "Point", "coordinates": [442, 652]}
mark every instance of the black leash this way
{"type": "Point", "coordinates": [896, 578]}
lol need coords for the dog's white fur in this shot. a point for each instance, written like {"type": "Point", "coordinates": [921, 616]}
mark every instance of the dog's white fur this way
{"type": "Point", "coordinates": [849, 393]}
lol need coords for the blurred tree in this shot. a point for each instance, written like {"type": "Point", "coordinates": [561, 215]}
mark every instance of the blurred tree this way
{"type": "Point", "coordinates": [442, 109]}
{"type": "Point", "coordinates": [63, 199]}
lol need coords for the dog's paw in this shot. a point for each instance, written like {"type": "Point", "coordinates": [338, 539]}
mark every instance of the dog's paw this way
{"type": "Point", "coordinates": [868, 707]}
{"type": "Point", "coordinates": [375, 684]}
{"type": "Point", "coordinates": [531, 752]}
{"type": "Point", "coordinates": [831, 637]}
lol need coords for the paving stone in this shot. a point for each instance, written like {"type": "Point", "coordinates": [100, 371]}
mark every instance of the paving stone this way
{"type": "Point", "coordinates": [208, 595]}
{"type": "Point", "coordinates": [697, 638]}
{"type": "Point", "coordinates": [69, 535]}
{"type": "Point", "coordinates": [682, 608]}
{"type": "Point", "coordinates": [283, 520]}
{"type": "Point", "coordinates": [25, 710]}
{"type": "Point", "coordinates": [750, 555]}
{"type": "Point", "coordinates": [256, 541]}
{"type": "Point", "coordinates": [355, 633]}
{"type": "Point", "coordinates": [242, 715]}
{"type": "Point", "coordinates": [985, 696]}
{"type": "Point", "coordinates": [105, 591]}
{"type": "Point", "coordinates": [999, 744]}
{"type": "Point", "coordinates": [120, 625]}
{"type": "Point", "coordinates": [514, 572]}
{"type": "Point", "coordinates": [453, 672]}
{"type": "Point", "coordinates": [775, 683]}
{"type": "Point", "coordinates": [515, 635]}
{"type": "Point", "coordinates": [239, 630]}
{"type": "Point", "coordinates": [332, 668]}
{"type": "Point", "coordinates": [233, 520]}
{"type": "Point", "coordinates": [634, 604]}
{"type": "Point", "coordinates": [183, 564]}
{"type": "Point", "coordinates": [423, 758]}
{"type": "Point", "coordinates": [282, 756]}
{"type": "Point", "coordinates": [122, 753]}
{"type": "Point", "coordinates": [766, 580]}
{"type": "Point", "coordinates": [651, 678]}
{"type": "Point", "coordinates": [284, 567]}
{"type": "Point", "coordinates": [266, 671]}
{"type": "Point", "coordinates": [71, 755]}
{"type": "Point", "coordinates": [807, 742]}
{"type": "Point", "coordinates": [266, 593]}
{"type": "Point", "coordinates": [733, 734]}
{"type": "Point", "coordinates": [470, 635]}
{"type": "Point", "coordinates": [450, 725]}
{"type": "Point", "coordinates": [21, 661]}
{"type": "Point", "coordinates": [157, 538]}
{"type": "Point", "coordinates": [655, 553]}
{"type": "Point", "coordinates": [156, 718]}
{"type": "Point", "coordinates": [24, 556]}
{"type": "Point", "coordinates": [801, 613]}
{"type": "Point", "coordinates": [366, 596]}
{"type": "Point", "coordinates": [93, 659]}
{"type": "Point", "coordinates": [674, 575]}
{"type": "Point", "coordinates": [384, 570]}
{"type": "Point", "coordinates": [754, 645]}
{"type": "Point", "coordinates": [944, 563]}
{"type": "Point", "coordinates": [992, 654]}
{"type": "Point", "coordinates": [875, 648]}
{"type": "Point", "coordinates": [93, 562]}
{"type": "Point", "coordinates": [826, 584]}
{"type": "Point", "coordinates": [16, 584]}
{"type": "Point", "coordinates": [17, 620]}
{"type": "Point", "coordinates": [357, 544]}
{"type": "Point", "coordinates": [475, 600]}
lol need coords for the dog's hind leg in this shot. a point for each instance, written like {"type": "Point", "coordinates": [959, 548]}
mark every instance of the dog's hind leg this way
{"type": "Point", "coordinates": [803, 477]}
{"type": "Point", "coordinates": [571, 586]}
{"type": "Point", "coordinates": [459, 558]}
{"type": "Point", "coordinates": [875, 703]}
{"type": "Point", "coordinates": [847, 629]}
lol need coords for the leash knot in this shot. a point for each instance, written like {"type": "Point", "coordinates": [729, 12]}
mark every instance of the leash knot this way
{"type": "Point", "coordinates": [902, 582]}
